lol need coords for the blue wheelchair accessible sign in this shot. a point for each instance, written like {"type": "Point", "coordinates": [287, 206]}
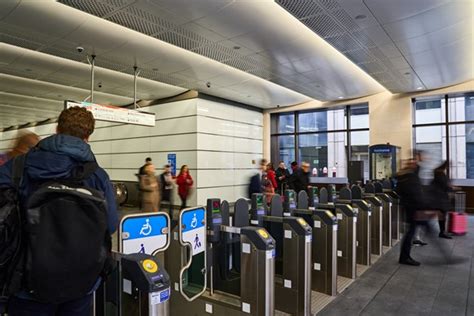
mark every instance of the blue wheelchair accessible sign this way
{"type": "Point", "coordinates": [144, 233]}
{"type": "Point", "coordinates": [193, 228]}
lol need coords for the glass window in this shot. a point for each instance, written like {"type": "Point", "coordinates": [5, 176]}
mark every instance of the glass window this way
{"type": "Point", "coordinates": [429, 111]}
{"type": "Point", "coordinates": [359, 117]}
{"type": "Point", "coordinates": [313, 121]}
{"type": "Point", "coordinates": [286, 123]}
{"type": "Point", "coordinates": [461, 151]}
{"type": "Point", "coordinates": [360, 149]}
{"type": "Point", "coordinates": [461, 108]}
{"type": "Point", "coordinates": [325, 152]}
{"type": "Point", "coordinates": [432, 141]}
{"type": "Point", "coordinates": [286, 149]}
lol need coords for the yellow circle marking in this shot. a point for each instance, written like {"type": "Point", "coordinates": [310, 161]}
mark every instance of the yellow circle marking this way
{"type": "Point", "coordinates": [150, 266]}
{"type": "Point", "coordinates": [263, 233]}
{"type": "Point", "coordinates": [302, 221]}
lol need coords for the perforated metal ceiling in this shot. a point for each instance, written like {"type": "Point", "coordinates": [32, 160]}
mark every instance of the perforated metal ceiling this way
{"type": "Point", "coordinates": [386, 38]}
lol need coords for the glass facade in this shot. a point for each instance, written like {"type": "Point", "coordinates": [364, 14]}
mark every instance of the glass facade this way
{"type": "Point", "coordinates": [322, 138]}
{"type": "Point", "coordinates": [444, 129]}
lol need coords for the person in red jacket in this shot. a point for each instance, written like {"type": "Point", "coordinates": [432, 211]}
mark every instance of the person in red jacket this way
{"type": "Point", "coordinates": [272, 175]}
{"type": "Point", "coordinates": [184, 182]}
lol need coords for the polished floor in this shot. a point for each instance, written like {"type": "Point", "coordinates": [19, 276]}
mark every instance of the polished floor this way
{"type": "Point", "coordinates": [434, 288]}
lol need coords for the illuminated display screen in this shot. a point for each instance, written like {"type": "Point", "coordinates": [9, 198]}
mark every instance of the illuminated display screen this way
{"type": "Point", "coordinates": [259, 200]}
{"type": "Point", "coordinates": [216, 207]}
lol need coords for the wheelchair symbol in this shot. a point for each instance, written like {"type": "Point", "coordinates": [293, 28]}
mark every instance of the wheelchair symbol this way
{"type": "Point", "coordinates": [194, 221]}
{"type": "Point", "coordinates": [146, 228]}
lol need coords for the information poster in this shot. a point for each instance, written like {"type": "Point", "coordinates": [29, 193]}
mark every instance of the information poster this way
{"type": "Point", "coordinates": [172, 163]}
{"type": "Point", "coordinates": [144, 233]}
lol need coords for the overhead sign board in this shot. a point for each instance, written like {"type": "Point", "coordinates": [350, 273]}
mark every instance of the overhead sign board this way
{"type": "Point", "coordinates": [144, 233]}
{"type": "Point", "coordinates": [112, 113]}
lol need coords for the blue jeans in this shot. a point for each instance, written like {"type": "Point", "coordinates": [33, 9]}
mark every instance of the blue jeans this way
{"type": "Point", "coordinates": [24, 307]}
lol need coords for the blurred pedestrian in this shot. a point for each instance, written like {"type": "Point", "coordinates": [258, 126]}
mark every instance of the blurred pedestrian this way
{"type": "Point", "coordinates": [150, 189]}
{"type": "Point", "coordinates": [256, 184]}
{"type": "Point", "coordinates": [24, 142]}
{"type": "Point", "coordinates": [148, 161]}
{"type": "Point", "coordinates": [440, 188]}
{"type": "Point", "coordinates": [299, 179]}
{"type": "Point", "coordinates": [411, 198]}
{"type": "Point", "coordinates": [282, 176]}
{"type": "Point", "coordinates": [166, 188]}
{"type": "Point", "coordinates": [272, 175]}
{"type": "Point", "coordinates": [184, 182]}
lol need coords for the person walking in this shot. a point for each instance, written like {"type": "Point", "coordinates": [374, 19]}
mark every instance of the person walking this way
{"type": "Point", "coordinates": [23, 144]}
{"type": "Point", "coordinates": [150, 189]}
{"type": "Point", "coordinates": [256, 184]}
{"type": "Point", "coordinates": [148, 161]}
{"type": "Point", "coordinates": [272, 175]}
{"type": "Point", "coordinates": [166, 188]}
{"type": "Point", "coordinates": [282, 176]}
{"type": "Point", "coordinates": [440, 188]}
{"type": "Point", "coordinates": [412, 199]}
{"type": "Point", "coordinates": [184, 182]}
{"type": "Point", "coordinates": [299, 179]}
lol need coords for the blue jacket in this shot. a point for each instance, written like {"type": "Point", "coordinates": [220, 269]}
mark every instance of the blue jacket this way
{"type": "Point", "coordinates": [54, 158]}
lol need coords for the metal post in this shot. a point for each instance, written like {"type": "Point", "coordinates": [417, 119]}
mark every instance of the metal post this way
{"type": "Point", "coordinates": [92, 62]}
{"type": "Point", "coordinates": [136, 72]}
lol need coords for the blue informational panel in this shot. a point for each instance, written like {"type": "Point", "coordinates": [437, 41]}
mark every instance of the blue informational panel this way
{"type": "Point", "coordinates": [193, 229]}
{"type": "Point", "coordinates": [144, 233]}
{"type": "Point", "coordinates": [172, 163]}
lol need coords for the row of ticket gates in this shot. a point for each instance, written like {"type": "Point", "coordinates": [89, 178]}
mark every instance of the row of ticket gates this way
{"type": "Point", "coordinates": [255, 260]}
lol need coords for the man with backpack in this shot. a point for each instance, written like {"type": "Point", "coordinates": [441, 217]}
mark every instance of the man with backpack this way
{"type": "Point", "coordinates": [66, 213]}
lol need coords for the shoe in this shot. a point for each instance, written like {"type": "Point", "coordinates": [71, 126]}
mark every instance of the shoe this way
{"type": "Point", "coordinates": [444, 235]}
{"type": "Point", "coordinates": [419, 243]}
{"type": "Point", "coordinates": [409, 262]}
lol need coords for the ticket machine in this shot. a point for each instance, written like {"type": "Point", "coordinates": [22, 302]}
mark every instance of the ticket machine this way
{"type": "Point", "coordinates": [187, 260]}
{"type": "Point", "coordinates": [363, 226]}
{"type": "Point", "coordinates": [387, 213]}
{"type": "Point", "coordinates": [293, 257]}
{"type": "Point", "coordinates": [346, 233]}
{"type": "Point", "coordinates": [376, 228]}
{"type": "Point", "coordinates": [324, 244]}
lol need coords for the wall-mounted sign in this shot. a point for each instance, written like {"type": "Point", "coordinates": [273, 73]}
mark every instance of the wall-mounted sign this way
{"type": "Point", "coordinates": [172, 163]}
{"type": "Point", "coordinates": [112, 113]}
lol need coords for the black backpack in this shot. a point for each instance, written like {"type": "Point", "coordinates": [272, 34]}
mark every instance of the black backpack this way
{"type": "Point", "coordinates": [68, 242]}
{"type": "Point", "coordinates": [11, 236]}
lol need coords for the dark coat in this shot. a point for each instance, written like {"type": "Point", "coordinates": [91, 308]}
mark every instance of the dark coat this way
{"type": "Point", "coordinates": [299, 180]}
{"type": "Point", "coordinates": [411, 194]}
{"type": "Point", "coordinates": [280, 173]}
{"type": "Point", "coordinates": [56, 157]}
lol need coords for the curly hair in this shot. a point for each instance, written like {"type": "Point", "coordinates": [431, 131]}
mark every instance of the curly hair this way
{"type": "Point", "coordinates": [76, 121]}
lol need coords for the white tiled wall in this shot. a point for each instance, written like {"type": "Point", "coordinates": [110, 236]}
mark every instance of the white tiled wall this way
{"type": "Point", "coordinates": [219, 142]}
{"type": "Point", "coordinates": [229, 141]}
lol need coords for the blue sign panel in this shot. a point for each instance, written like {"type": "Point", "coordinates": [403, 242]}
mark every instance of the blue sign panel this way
{"type": "Point", "coordinates": [172, 163]}
{"type": "Point", "coordinates": [381, 150]}
{"type": "Point", "coordinates": [193, 223]}
{"type": "Point", "coordinates": [144, 233]}
{"type": "Point", "coordinates": [193, 219]}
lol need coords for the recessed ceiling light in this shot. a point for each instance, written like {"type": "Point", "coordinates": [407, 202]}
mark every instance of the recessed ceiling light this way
{"type": "Point", "coordinates": [340, 97]}
{"type": "Point", "coordinates": [360, 17]}
{"type": "Point", "coordinates": [236, 47]}
{"type": "Point", "coordinates": [419, 88]}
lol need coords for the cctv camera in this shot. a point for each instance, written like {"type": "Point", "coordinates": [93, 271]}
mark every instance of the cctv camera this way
{"type": "Point", "coordinates": [79, 49]}
{"type": "Point", "coordinates": [208, 84]}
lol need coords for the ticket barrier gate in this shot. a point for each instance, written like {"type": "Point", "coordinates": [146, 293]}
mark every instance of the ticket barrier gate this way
{"type": "Point", "coordinates": [138, 283]}
{"type": "Point", "coordinates": [324, 244]}
{"type": "Point", "coordinates": [396, 212]}
{"type": "Point", "coordinates": [387, 214]}
{"type": "Point", "coordinates": [346, 233]}
{"type": "Point", "coordinates": [188, 267]}
{"type": "Point", "coordinates": [293, 252]}
{"type": "Point", "coordinates": [376, 229]}
{"type": "Point", "coordinates": [364, 220]}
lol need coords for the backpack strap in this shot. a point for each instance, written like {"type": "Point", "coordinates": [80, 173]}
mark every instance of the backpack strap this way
{"type": "Point", "coordinates": [17, 170]}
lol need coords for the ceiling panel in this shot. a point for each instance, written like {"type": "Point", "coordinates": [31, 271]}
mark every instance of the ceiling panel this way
{"type": "Point", "coordinates": [384, 37]}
